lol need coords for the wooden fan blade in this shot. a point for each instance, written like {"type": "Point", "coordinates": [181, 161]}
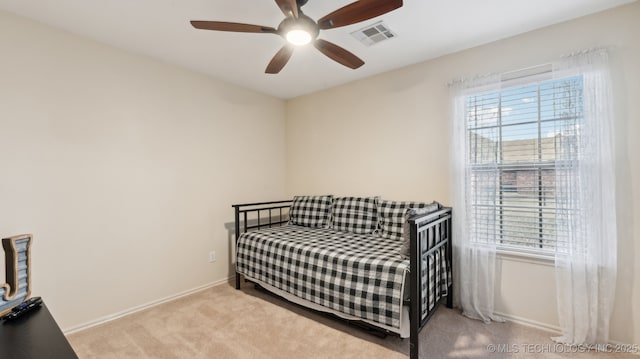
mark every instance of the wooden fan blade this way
{"type": "Point", "coordinates": [279, 60]}
{"type": "Point", "coordinates": [338, 54]}
{"type": "Point", "coordinates": [288, 7]}
{"type": "Point", "coordinates": [231, 26]}
{"type": "Point", "coordinates": [358, 11]}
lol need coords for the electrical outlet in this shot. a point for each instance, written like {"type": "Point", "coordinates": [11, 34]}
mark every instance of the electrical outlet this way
{"type": "Point", "coordinates": [212, 256]}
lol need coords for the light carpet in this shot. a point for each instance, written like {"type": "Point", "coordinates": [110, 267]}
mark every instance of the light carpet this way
{"type": "Point", "coordinates": [222, 322]}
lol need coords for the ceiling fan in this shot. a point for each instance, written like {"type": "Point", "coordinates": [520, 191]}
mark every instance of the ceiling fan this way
{"type": "Point", "coordinates": [299, 29]}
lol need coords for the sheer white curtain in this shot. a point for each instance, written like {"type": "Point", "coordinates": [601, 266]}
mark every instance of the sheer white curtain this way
{"type": "Point", "coordinates": [474, 245]}
{"type": "Point", "coordinates": [585, 196]}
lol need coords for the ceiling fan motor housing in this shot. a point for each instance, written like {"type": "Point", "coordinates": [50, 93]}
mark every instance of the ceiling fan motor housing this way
{"type": "Point", "coordinates": [303, 22]}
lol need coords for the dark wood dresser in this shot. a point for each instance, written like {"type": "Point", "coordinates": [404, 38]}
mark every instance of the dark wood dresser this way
{"type": "Point", "coordinates": [35, 335]}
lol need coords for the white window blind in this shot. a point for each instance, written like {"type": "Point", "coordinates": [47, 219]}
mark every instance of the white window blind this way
{"type": "Point", "coordinates": [517, 138]}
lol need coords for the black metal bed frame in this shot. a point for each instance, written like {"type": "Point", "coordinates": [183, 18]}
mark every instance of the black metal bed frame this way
{"type": "Point", "coordinates": [244, 209]}
{"type": "Point", "coordinates": [428, 233]}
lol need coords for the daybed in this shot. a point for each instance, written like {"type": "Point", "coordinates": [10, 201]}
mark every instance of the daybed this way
{"type": "Point", "coordinates": [384, 263]}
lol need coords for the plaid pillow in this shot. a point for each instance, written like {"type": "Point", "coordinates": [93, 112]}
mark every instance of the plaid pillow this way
{"type": "Point", "coordinates": [355, 214]}
{"type": "Point", "coordinates": [391, 217]}
{"type": "Point", "coordinates": [406, 235]}
{"type": "Point", "coordinates": [311, 211]}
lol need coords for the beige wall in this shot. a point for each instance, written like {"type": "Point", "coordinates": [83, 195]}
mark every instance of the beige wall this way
{"type": "Point", "coordinates": [389, 135]}
{"type": "Point", "coordinates": [124, 169]}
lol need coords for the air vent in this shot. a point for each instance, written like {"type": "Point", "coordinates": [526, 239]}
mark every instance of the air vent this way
{"type": "Point", "coordinates": [373, 34]}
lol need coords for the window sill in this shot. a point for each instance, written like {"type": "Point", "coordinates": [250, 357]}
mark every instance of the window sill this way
{"type": "Point", "coordinates": [526, 257]}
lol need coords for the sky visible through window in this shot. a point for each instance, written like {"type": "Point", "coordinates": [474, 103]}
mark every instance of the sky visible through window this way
{"type": "Point", "coordinates": [518, 108]}
{"type": "Point", "coordinates": [557, 99]}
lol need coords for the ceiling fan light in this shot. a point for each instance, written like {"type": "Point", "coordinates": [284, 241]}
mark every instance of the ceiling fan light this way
{"type": "Point", "coordinates": [298, 37]}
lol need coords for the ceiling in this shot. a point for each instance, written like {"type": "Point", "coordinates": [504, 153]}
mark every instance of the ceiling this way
{"type": "Point", "coordinates": [425, 29]}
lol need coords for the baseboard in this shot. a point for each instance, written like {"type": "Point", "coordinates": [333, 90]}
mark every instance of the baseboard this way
{"type": "Point", "coordinates": [555, 330]}
{"type": "Point", "coordinates": [531, 323]}
{"type": "Point", "coordinates": [142, 307]}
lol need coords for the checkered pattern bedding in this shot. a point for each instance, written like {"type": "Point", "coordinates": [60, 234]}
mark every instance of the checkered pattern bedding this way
{"type": "Point", "coordinates": [355, 214]}
{"type": "Point", "coordinates": [356, 274]}
{"type": "Point", "coordinates": [436, 264]}
{"type": "Point", "coordinates": [311, 211]}
{"type": "Point", "coordinates": [392, 217]}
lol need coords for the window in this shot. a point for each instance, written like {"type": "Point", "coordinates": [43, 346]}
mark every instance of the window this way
{"type": "Point", "coordinates": [516, 138]}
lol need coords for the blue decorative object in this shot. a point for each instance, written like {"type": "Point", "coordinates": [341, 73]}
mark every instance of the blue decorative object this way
{"type": "Point", "coordinates": [17, 254]}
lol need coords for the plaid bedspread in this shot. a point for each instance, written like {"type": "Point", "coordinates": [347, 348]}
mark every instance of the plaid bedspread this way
{"type": "Point", "coordinates": [357, 274]}
{"type": "Point", "coordinates": [436, 272]}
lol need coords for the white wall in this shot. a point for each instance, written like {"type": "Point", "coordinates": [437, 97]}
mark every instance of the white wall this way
{"type": "Point", "coordinates": [124, 169]}
{"type": "Point", "coordinates": [389, 135]}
